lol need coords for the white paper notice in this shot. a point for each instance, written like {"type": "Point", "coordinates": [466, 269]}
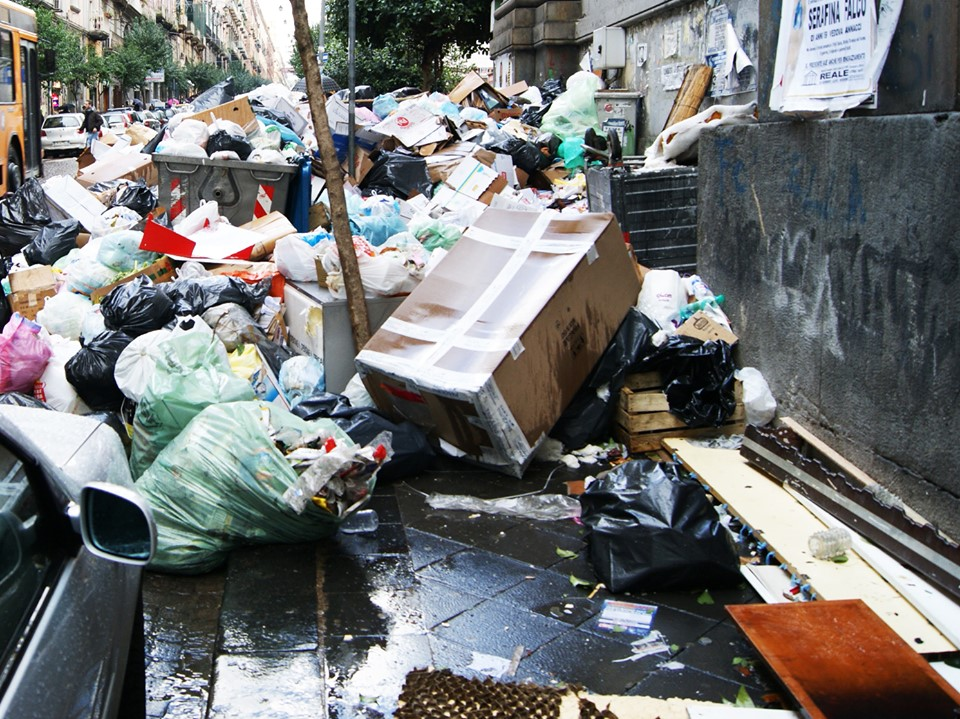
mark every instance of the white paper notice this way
{"type": "Point", "coordinates": [830, 53]}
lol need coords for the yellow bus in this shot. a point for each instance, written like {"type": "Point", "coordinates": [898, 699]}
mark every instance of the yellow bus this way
{"type": "Point", "coordinates": [19, 96]}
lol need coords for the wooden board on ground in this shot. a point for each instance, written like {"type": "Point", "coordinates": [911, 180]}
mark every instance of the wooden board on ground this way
{"type": "Point", "coordinates": [785, 525]}
{"type": "Point", "coordinates": [851, 470]}
{"type": "Point", "coordinates": [841, 661]}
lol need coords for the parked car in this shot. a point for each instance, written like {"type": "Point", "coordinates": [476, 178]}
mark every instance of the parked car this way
{"type": "Point", "coordinates": [61, 133]}
{"type": "Point", "coordinates": [145, 117]}
{"type": "Point", "coordinates": [74, 536]}
{"type": "Point", "coordinates": [115, 120]}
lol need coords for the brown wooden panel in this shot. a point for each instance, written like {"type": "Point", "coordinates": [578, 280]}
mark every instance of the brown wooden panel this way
{"type": "Point", "coordinates": [841, 661]}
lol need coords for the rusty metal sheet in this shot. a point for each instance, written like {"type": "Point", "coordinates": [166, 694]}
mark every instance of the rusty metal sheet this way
{"type": "Point", "coordinates": [841, 661]}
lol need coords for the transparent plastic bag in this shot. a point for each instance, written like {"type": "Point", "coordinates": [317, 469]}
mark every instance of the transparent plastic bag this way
{"type": "Point", "coordinates": [533, 506]}
{"type": "Point", "coordinates": [191, 373]}
{"type": "Point", "coordinates": [758, 401]}
{"type": "Point", "coordinates": [574, 111]}
{"type": "Point", "coordinates": [52, 387]}
{"type": "Point", "coordinates": [295, 259]}
{"type": "Point", "coordinates": [121, 251]}
{"type": "Point", "coordinates": [225, 482]}
{"type": "Point", "coordinates": [63, 314]}
{"type": "Point", "coordinates": [301, 377]}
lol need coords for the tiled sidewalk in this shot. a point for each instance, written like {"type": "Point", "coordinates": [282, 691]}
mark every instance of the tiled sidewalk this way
{"type": "Point", "coordinates": [331, 629]}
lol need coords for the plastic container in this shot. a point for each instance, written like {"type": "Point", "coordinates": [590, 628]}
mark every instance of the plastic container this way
{"type": "Point", "coordinates": [243, 191]}
{"type": "Point", "coordinates": [829, 543]}
{"type": "Point", "coordinates": [657, 212]}
{"type": "Point", "coordinates": [363, 521]}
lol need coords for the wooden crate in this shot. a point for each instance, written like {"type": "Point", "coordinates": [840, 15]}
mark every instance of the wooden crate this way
{"type": "Point", "coordinates": [644, 419]}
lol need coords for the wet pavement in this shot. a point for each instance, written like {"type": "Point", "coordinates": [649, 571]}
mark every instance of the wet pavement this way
{"type": "Point", "coordinates": [331, 629]}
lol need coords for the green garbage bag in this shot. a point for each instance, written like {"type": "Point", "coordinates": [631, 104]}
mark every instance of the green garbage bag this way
{"type": "Point", "coordinates": [434, 233]}
{"type": "Point", "coordinates": [236, 476]}
{"type": "Point", "coordinates": [192, 372]}
{"type": "Point", "coordinates": [575, 110]}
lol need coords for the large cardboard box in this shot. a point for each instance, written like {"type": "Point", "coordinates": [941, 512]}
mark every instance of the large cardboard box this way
{"type": "Point", "coordinates": [490, 348]}
{"type": "Point", "coordinates": [238, 111]}
{"type": "Point", "coordinates": [30, 288]}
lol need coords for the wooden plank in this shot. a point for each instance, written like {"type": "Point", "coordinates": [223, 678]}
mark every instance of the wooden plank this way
{"type": "Point", "coordinates": [852, 471]}
{"type": "Point", "coordinates": [651, 441]}
{"type": "Point", "coordinates": [939, 609]}
{"type": "Point", "coordinates": [653, 400]}
{"type": "Point", "coordinates": [785, 525]}
{"type": "Point", "coordinates": [842, 661]}
{"type": "Point", "coordinates": [635, 422]}
{"type": "Point", "coordinates": [644, 380]}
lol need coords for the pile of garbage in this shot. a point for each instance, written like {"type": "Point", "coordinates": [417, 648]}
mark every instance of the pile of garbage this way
{"type": "Point", "coordinates": [153, 289]}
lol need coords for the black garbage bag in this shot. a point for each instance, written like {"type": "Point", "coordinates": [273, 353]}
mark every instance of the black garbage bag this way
{"type": "Point", "coordinates": [548, 144]}
{"type": "Point", "coordinates": [533, 115]}
{"type": "Point", "coordinates": [217, 95]}
{"type": "Point", "coordinates": [52, 242]}
{"type": "Point", "coordinates": [525, 154]}
{"type": "Point", "coordinates": [91, 370]}
{"type": "Point", "coordinates": [653, 529]}
{"type": "Point", "coordinates": [699, 379]}
{"type": "Point", "coordinates": [412, 452]}
{"type": "Point", "coordinates": [551, 89]}
{"type": "Point", "coordinates": [223, 140]}
{"type": "Point", "coordinates": [22, 214]}
{"type": "Point", "coordinates": [399, 174]}
{"type": "Point", "coordinates": [589, 416]}
{"type": "Point", "coordinates": [19, 399]}
{"type": "Point", "coordinates": [137, 197]}
{"type": "Point", "coordinates": [151, 146]}
{"type": "Point", "coordinates": [196, 295]}
{"type": "Point", "coordinates": [136, 307]}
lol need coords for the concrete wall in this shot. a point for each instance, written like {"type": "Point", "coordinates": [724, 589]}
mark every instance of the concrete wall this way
{"type": "Point", "coordinates": [663, 38]}
{"type": "Point", "coordinates": [837, 245]}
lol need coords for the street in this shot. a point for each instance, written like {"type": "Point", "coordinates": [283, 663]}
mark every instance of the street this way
{"type": "Point", "coordinates": [57, 166]}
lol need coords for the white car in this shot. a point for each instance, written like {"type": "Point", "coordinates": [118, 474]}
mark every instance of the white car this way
{"type": "Point", "coordinates": [61, 133]}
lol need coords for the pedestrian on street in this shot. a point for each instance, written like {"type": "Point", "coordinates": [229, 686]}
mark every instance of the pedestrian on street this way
{"type": "Point", "coordinates": [92, 122]}
{"type": "Point", "coordinates": [137, 104]}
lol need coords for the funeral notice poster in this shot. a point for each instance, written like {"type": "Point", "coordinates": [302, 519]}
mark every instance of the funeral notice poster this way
{"type": "Point", "coordinates": [830, 53]}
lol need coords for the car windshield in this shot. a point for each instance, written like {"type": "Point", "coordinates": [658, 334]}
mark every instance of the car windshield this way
{"type": "Point", "coordinates": [61, 121]}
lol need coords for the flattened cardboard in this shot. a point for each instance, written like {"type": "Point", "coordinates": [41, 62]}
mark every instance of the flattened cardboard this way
{"type": "Point", "coordinates": [414, 126]}
{"type": "Point", "coordinates": [119, 167]}
{"type": "Point", "coordinates": [489, 349]}
{"type": "Point", "coordinates": [701, 327]}
{"type": "Point", "coordinates": [238, 111]}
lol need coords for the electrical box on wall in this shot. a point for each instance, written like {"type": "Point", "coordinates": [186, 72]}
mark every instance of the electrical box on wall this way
{"type": "Point", "coordinates": [609, 49]}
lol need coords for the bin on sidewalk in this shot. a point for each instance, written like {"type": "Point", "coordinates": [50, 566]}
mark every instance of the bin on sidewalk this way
{"type": "Point", "coordinates": [619, 111]}
{"type": "Point", "coordinates": [243, 191]}
{"type": "Point", "coordinates": [657, 209]}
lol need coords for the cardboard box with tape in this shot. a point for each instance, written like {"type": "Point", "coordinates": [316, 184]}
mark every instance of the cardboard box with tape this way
{"type": "Point", "coordinates": [489, 349]}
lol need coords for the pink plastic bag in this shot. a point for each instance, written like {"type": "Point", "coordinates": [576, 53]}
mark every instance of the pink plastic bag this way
{"type": "Point", "coordinates": [23, 355]}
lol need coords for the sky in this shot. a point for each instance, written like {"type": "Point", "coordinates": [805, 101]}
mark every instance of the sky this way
{"type": "Point", "coordinates": [281, 23]}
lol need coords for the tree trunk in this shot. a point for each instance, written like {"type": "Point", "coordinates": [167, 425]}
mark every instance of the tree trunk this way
{"type": "Point", "coordinates": [429, 63]}
{"type": "Point", "coordinates": [356, 305]}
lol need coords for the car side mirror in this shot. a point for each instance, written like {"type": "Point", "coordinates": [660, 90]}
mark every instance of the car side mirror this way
{"type": "Point", "coordinates": [116, 523]}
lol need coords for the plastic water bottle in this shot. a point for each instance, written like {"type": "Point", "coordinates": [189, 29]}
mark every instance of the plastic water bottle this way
{"type": "Point", "coordinates": [363, 521]}
{"type": "Point", "coordinates": [830, 543]}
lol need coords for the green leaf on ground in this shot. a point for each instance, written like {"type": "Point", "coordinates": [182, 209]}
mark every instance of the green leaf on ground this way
{"type": "Point", "coordinates": [742, 701]}
{"type": "Point", "coordinates": [840, 560]}
{"type": "Point", "coordinates": [577, 582]}
{"type": "Point", "coordinates": [705, 598]}
{"type": "Point", "coordinates": [565, 553]}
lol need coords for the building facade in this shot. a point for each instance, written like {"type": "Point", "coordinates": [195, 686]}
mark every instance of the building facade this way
{"type": "Point", "coordinates": [218, 32]}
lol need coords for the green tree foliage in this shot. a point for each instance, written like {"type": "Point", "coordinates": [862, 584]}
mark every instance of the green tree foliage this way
{"type": "Point", "coordinates": [421, 32]}
{"type": "Point", "coordinates": [203, 75]}
{"type": "Point", "coordinates": [382, 68]}
{"type": "Point", "coordinates": [243, 81]}
{"type": "Point", "coordinates": [145, 49]}
{"type": "Point", "coordinates": [60, 48]}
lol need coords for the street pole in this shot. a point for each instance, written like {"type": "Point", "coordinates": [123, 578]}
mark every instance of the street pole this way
{"type": "Point", "coordinates": [351, 81]}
